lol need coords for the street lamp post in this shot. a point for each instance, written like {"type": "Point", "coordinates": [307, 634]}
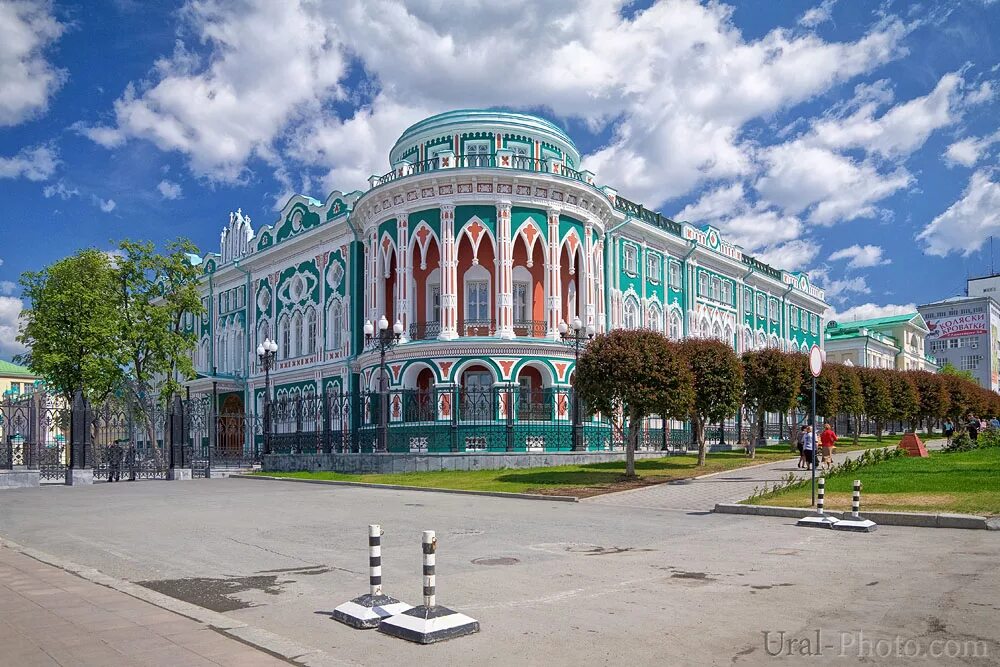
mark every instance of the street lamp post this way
{"type": "Point", "coordinates": [576, 336]}
{"type": "Point", "coordinates": [383, 341]}
{"type": "Point", "coordinates": [266, 353]}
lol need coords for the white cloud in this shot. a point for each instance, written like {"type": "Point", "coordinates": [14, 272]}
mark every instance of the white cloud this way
{"type": "Point", "coordinates": [169, 189]}
{"type": "Point", "coordinates": [867, 311]}
{"type": "Point", "coordinates": [982, 94]}
{"type": "Point", "coordinates": [60, 190]}
{"type": "Point", "coordinates": [677, 79]}
{"type": "Point", "coordinates": [27, 79]}
{"type": "Point", "coordinates": [818, 15]}
{"type": "Point", "coordinates": [10, 325]}
{"type": "Point", "coordinates": [36, 163]}
{"type": "Point", "coordinates": [792, 256]}
{"type": "Point", "coordinates": [967, 223]}
{"type": "Point", "coordinates": [106, 205]}
{"type": "Point", "coordinates": [837, 290]}
{"type": "Point", "coordinates": [7, 287]}
{"type": "Point", "coordinates": [967, 151]}
{"type": "Point", "coordinates": [899, 131]}
{"type": "Point", "coordinates": [861, 256]}
{"type": "Point", "coordinates": [832, 187]}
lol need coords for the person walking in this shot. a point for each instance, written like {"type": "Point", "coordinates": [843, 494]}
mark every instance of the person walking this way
{"type": "Point", "coordinates": [828, 440]}
{"type": "Point", "coordinates": [115, 456]}
{"type": "Point", "coordinates": [798, 444]}
{"type": "Point", "coordinates": [973, 428]}
{"type": "Point", "coordinates": [949, 429]}
{"type": "Point", "coordinates": [809, 447]}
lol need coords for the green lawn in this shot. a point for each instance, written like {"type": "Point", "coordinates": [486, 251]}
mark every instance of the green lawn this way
{"type": "Point", "coordinates": [578, 480]}
{"type": "Point", "coordinates": [962, 482]}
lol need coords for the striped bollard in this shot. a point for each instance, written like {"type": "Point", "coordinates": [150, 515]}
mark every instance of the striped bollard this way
{"type": "Point", "coordinates": [429, 622]}
{"type": "Point", "coordinates": [366, 611]}
{"type": "Point", "coordinates": [819, 520]}
{"type": "Point", "coordinates": [856, 523]}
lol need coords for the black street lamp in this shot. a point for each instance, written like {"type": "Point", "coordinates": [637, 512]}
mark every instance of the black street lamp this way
{"type": "Point", "coordinates": [266, 353]}
{"type": "Point", "coordinates": [576, 336]}
{"type": "Point", "coordinates": [383, 341]}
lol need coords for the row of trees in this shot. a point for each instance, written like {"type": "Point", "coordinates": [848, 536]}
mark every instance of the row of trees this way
{"type": "Point", "coordinates": [112, 322]}
{"type": "Point", "coordinates": [638, 373]}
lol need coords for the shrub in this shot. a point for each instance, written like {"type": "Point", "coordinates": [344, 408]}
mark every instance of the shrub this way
{"type": "Point", "coordinates": [989, 438]}
{"type": "Point", "coordinates": [961, 443]}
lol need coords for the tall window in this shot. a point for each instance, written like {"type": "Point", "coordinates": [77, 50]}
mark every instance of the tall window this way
{"type": "Point", "coordinates": [716, 289]}
{"type": "Point", "coordinates": [761, 306]}
{"type": "Point", "coordinates": [311, 331]}
{"type": "Point", "coordinates": [702, 284]}
{"type": "Point", "coordinates": [748, 301]}
{"type": "Point", "coordinates": [286, 338]}
{"type": "Point", "coordinates": [222, 354]}
{"type": "Point", "coordinates": [675, 326]}
{"type": "Point", "coordinates": [747, 340]}
{"type": "Point", "coordinates": [335, 325]}
{"type": "Point", "coordinates": [571, 301]}
{"type": "Point", "coordinates": [434, 303]}
{"type": "Point", "coordinates": [296, 334]}
{"type": "Point", "coordinates": [631, 261]}
{"type": "Point", "coordinates": [654, 317]}
{"type": "Point", "coordinates": [653, 268]}
{"type": "Point", "coordinates": [772, 309]}
{"type": "Point", "coordinates": [793, 316]}
{"type": "Point", "coordinates": [970, 363]}
{"type": "Point", "coordinates": [630, 319]}
{"type": "Point", "coordinates": [675, 275]}
{"type": "Point", "coordinates": [477, 300]}
{"type": "Point", "coordinates": [727, 291]}
{"type": "Point", "coordinates": [521, 302]}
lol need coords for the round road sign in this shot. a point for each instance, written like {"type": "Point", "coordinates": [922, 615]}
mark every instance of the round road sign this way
{"type": "Point", "coordinates": [815, 361]}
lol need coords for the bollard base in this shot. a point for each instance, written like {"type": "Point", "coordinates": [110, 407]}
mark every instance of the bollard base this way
{"type": "Point", "coordinates": [367, 611]}
{"type": "Point", "coordinates": [426, 625]}
{"type": "Point", "coordinates": [858, 525]}
{"type": "Point", "coordinates": [818, 521]}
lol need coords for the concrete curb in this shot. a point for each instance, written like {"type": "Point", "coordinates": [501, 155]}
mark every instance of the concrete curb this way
{"type": "Point", "coordinates": [963, 521]}
{"type": "Point", "coordinates": [258, 638]}
{"type": "Point", "coordinates": [400, 487]}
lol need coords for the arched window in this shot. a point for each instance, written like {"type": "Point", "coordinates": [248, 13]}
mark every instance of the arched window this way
{"type": "Point", "coordinates": [477, 295]}
{"type": "Point", "coordinates": [747, 340]}
{"type": "Point", "coordinates": [311, 331]}
{"type": "Point", "coordinates": [761, 340]}
{"type": "Point", "coordinates": [571, 301]}
{"type": "Point", "coordinates": [706, 329]}
{"type": "Point", "coordinates": [221, 355]}
{"type": "Point", "coordinates": [630, 318]}
{"type": "Point", "coordinates": [236, 351]}
{"type": "Point", "coordinates": [727, 336]}
{"type": "Point", "coordinates": [654, 318]}
{"type": "Point", "coordinates": [297, 334]}
{"type": "Point", "coordinates": [773, 342]}
{"type": "Point", "coordinates": [263, 331]}
{"type": "Point", "coordinates": [717, 332]}
{"type": "Point", "coordinates": [286, 337]}
{"type": "Point", "coordinates": [675, 326]}
{"type": "Point", "coordinates": [334, 325]}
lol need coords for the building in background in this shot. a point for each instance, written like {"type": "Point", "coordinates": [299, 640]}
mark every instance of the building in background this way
{"type": "Point", "coordinates": [964, 333]}
{"type": "Point", "coordinates": [484, 238]}
{"type": "Point", "coordinates": [896, 342]}
{"type": "Point", "coordinates": [15, 380]}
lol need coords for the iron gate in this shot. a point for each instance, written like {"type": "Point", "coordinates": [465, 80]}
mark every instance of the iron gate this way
{"type": "Point", "coordinates": [34, 432]}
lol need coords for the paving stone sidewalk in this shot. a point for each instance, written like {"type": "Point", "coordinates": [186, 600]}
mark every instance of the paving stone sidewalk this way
{"type": "Point", "coordinates": [701, 495]}
{"type": "Point", "coordinates": [51, 617]}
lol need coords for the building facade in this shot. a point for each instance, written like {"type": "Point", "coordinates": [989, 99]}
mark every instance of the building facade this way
{"type": "Point", "coordinates": [15, 380]}
{"type": "Point", "coordinates": [965, 332]}
{"type": "Point", "coordinates": [897, 342]}
{"type": "Point", "coordinates": [485, 236]}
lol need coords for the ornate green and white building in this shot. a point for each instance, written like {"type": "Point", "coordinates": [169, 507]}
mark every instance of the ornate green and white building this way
{"type": "Point", "coordinates": [486, 234]}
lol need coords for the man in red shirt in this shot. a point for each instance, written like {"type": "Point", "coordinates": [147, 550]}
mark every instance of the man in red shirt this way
{"type": "Point", "coordinates": [828, 441]}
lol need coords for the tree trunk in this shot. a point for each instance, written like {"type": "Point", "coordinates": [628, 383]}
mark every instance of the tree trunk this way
{"type": "Point", "coordinates": [630, 445]}
{"type": "Point", "coordinates": [699, 433]}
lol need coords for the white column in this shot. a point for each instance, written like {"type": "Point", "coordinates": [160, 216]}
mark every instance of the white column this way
{"type": "Point", "coordinates": [449, 278]}
{"type": "Point", "coordinates": [403, 273]}
{"type": "Point", "coordinates": [505, 264]}
{"type": "Point", "coordinates": [586, 277]}
{"type": "Point", "coordinates": [373, 276]}
{"type": "Point", "coordinates": [553, 297]}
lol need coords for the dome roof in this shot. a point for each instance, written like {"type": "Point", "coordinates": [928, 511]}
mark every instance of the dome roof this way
{"type": "Point", "coordinates": [466, 120]}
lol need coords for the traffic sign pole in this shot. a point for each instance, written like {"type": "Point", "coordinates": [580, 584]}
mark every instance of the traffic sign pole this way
{"type": "Point", "coordinates": [815, 367]}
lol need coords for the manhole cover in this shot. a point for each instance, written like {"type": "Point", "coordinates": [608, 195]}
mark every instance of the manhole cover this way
{"type": "Point", "coordinates": [503, 560]}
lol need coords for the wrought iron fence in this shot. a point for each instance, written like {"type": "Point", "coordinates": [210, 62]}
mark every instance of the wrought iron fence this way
{"type": "Point", "coordinates": [34, 430]}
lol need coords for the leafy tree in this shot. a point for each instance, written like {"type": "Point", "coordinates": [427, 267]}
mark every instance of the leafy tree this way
{"type": "Point", "coordinates": [770, 384]}
{"type": "Point", "coordinates": [852, 398]}
{"type": "Point", "coordinates": [156, 290]}
{"type": "Point", "coordinates": [718, 385]}
{"type": "Point", "coordinates": [934, 398]}
{"type": "Point", "coordinates": [638, 373]}
{"type": "Point", "coordinates": [828, 400]}
{"type": "Point", "coordinates": [905, 396]}
{"type": "Point", "coordinates": [73, 327]}
{"type": "Point", "coordinates": [949, 369]}
{"type": "Point", "coordinates": [878, 401]}
{"type": "Point", "coordinates": [962, 396]}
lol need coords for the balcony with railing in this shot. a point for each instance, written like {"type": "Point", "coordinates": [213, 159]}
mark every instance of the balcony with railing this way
{"type": "Point", "coordinates": [501, 160]}
{"type": "Point", "coordinates": [419, 331]}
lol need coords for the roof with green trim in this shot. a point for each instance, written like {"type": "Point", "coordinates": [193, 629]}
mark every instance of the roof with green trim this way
{"type": "Point", "coordinates": [8, 369]}
{"type": "Point", "coordinates": [876, 322]}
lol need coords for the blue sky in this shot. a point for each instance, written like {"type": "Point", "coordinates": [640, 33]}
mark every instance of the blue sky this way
{"type": "Point", "coordinates": [858, 141]}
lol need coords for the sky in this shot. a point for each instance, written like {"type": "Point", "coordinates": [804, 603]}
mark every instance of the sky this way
{"type": "Point", "coordinates": [858, 141]}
